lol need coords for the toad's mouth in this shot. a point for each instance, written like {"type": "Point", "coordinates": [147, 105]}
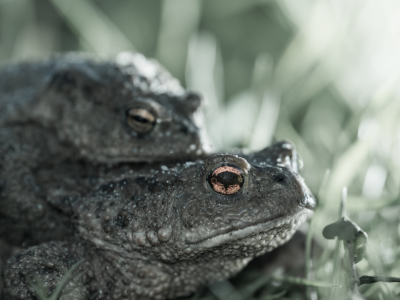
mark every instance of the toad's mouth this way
{"type": "Point", "coordinates": [291, 221]}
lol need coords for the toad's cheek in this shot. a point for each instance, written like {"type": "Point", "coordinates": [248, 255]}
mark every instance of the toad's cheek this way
{"type": "Point", "coordinates": [206, 238]}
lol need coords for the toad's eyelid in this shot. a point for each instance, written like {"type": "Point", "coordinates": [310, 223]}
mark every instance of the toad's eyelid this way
{"type": "Point", "coordinates": [162, 113]}
{"type": "Point", "coordinates": [221, 159]}
{"type": "Point", "coordinates": [143, 113]}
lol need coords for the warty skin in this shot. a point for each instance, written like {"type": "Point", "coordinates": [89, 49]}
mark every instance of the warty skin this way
{"type": "Point", "coordinates": [80, 111]}
{"type": "Point", "coordinates": [164, 233]}
{"type": "Point", "coordinates": [83, 102]}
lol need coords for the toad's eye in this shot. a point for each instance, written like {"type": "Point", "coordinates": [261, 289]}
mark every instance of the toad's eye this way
{"type": "Point", "coordinates": [226, 180]}
{"type": "Point", "coordinates": [140, 120]}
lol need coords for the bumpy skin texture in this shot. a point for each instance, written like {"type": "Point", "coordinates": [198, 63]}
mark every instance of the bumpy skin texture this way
{"type": "Point", "coordinates": [76, 110]}
{"type": "Point", "coordinates": [165, 232]}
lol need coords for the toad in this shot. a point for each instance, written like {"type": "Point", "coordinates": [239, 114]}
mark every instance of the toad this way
{"type": "Point", "coordinates": [163, 233]}
{"type": "Point", "coordinates": [86, 113]}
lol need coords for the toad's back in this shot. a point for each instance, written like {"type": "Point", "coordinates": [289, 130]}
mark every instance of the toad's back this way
{"type": "Point", "coordinates": [22, 83]}
{"type": "Point", "coordinates": [19, 86]}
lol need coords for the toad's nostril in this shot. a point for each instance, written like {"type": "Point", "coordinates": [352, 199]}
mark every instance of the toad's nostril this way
{"type": "Point", "coordinates": [280, 178]}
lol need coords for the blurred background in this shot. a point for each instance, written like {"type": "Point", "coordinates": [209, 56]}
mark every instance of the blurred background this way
{"type": "Point", "coordinates": [323, 74]}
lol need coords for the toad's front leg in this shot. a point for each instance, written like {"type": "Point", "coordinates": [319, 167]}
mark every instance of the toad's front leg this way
{"type": "Point", "coordinates": [49, 267]}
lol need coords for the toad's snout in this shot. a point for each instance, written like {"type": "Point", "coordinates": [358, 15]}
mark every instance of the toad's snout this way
{"type": "Point", "coordinates": [289, 182]}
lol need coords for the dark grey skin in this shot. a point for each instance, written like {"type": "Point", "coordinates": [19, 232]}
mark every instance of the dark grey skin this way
{"type": "Point", "coordinates": [80, 111]}
{"type": "Point", "coordinates": [66, 181]}
{"type": "Point", "coordinates": [164, 233]}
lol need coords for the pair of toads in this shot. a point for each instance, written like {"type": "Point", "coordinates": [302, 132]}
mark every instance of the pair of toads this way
{"type": "Point", "coordinates": [104, 166]}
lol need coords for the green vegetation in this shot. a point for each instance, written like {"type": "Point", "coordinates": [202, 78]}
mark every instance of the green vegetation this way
{"type": "Point", "coordinates": [41, 291]}
{"type": "Point", "coordinates": [323, 74]}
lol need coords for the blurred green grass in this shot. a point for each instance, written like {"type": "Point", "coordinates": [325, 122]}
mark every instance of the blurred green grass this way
{"type": "Point", "coordinates": [323, 74]}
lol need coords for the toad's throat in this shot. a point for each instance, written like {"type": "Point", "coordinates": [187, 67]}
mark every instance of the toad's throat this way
{"type": "Point", "coordinates": [235, 233]}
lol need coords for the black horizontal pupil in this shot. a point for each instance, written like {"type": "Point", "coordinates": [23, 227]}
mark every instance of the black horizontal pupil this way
{"type": "Point", "coordinates": [140, 119]}
{"type": "Point", "coordinates": [228, 178]}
